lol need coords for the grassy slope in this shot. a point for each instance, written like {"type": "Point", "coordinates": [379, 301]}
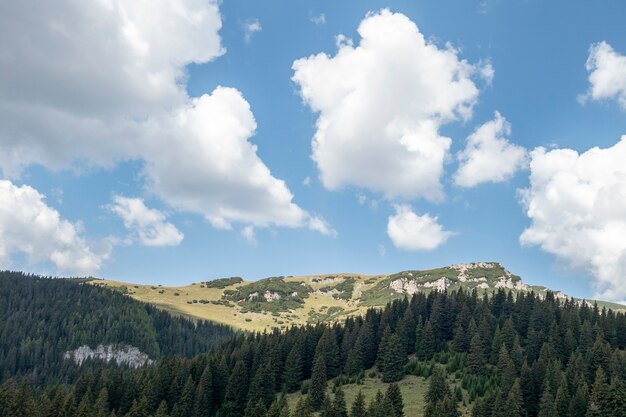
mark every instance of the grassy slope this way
{"type": "Point", "coordinates": [413, 390]}
{"type": "Point", "coordinates": [322, 304]}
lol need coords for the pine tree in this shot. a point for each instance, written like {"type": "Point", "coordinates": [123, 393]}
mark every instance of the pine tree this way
{"type": "Point", "coordinates": [376, 407]}
{"type": "Point", "coordinates": [184, 405]}
{"type": "Point", "coordinates": [393, 397]}
{"type": "Point", "coordinates": [393, 358]}
{"type": "Point", "coordinates": [616, 402]}
{"type": "Point", "coordinates": [476, 358]}
{"type": "Point", "coordinates": [547, 407]}
{"type": "Point", "coordinates": [506, 369]}
{"type": "Point", "coordinates": [162, 410]}
{"type": "Point", "coordinates": [578, 405]}
{"type": "Point", "coordinates": [562, 398]}
{"type": "Point", "coordinates": [515, 401]}
{"type": "Point", "coordinates": [358, 406]}
{"type": "Point", "coordinates": [339, 404]}
{"type": "Point", "coordinates": [599, 395]}
{"type": "Point", "coordinates": [101, 406]}
{"type": "Point", "coordinates": [203, 399]}
{"type": "Point", "coordinates": [317, 391]}
{"type": "Point", "coordinates": [236, 391]}
{"type": "Point", "coordinates": [293, 367]}
{"type": "Point", "coordinates": [303, 408]}
{"type": "Point", "coordinates": [439, 398]}
{"type": "Point", "coordinates": [428, 343]}
{"type": "Point", "coordinates": [256, 409]}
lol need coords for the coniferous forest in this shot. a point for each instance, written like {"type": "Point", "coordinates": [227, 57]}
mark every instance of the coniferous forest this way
{"type": "Point", "coordinates": [501, 355]}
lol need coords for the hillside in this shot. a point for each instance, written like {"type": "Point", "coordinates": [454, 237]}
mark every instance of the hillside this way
{"type": "Point", "coordinates": [46, 322]}
{"type": "Point", "coordinates": [279, 302]}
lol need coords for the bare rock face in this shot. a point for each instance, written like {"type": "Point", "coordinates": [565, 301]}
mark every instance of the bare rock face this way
{"type": "Point", "coordinates": [404, 285]}
{"type": "Point", "coordinates": [121, 355]}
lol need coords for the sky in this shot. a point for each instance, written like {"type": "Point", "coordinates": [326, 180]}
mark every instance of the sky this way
{"type": "Point", "coordinates": [168, 142]}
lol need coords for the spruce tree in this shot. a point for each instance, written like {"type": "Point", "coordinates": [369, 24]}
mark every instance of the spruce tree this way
{"type": "Point", "coordinates": [358, 406]}
{"type": "Point", "coordinates": [303, 408]}
{"type": "Point", "coordinates": [339, 404]}
{"type": "Point", "coordinates": [162, 410]}
{"type": "Point", "coordinates": [547, 407]}
{"type": "Point", "coordinates": [236, 391]}
{"type": "Point", "coordinates": [428, 343]}
{"type": "Point", "coordinates": [515, 401]}
{"type": "Point", "coordinates": [293, 368]}
{"type": "Point", "coordinates": [393, 397]}
{"type": "Point", "coordinates": [599, 396]}
{"type": "Point", "coordinates": [393, 358]}
{"type": "Point", "coordinates": [578, 404]}
{"type": "Point", "coordinates": [317, 390]}
{"type": "Point", "coordinates": [476, 358]}
{"type": "Point", "coordinates": [616, 402]}
{"type": "Point", "coordinates": [101, 406]}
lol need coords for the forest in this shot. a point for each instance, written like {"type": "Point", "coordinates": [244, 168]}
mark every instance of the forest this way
{"type": "Point", "coordinates": [42, 318]}
{"type": "Point", "coordinates": [492, 356]}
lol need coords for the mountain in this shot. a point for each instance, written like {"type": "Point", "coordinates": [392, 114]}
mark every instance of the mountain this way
{"type": "Point", "coordinates": [284, 301]}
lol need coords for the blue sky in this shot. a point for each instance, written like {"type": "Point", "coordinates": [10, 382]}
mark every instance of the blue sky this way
{"type": "Point", "coordinates": [87, 131]}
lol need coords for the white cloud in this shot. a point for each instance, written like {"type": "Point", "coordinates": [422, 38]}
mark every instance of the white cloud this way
{"type": "Point", "coordinates": [577, 204]}
{"type": "Point", "coordinates": [306, 181]}
{"type": "Point", "coordinates": [489, 156]}
{"type": "Point", "coordinates": [382, 250]}
{"type": "Point", "coordinates": [319, 20]}
{"type": "Point", "coordinates": [248, 233]}
{"type": "Point", "coordinates": [78, 78]}
{"type": "Point", "coordinates": [320, 225]}
{"type": "Point", "coordinates": [148, 226]}
{"type": "Point", "coordinates": [607, 74]}
{"type": "Point", "coordinates": [29, 226]}
{"type": "Point", "coordinates": [100, 82]}
{"type": "Point", "coordinates": [203, 162]}
{"type": "Point", "coordinates": [381, 105]}
{"type": "Point", "coordinates": [250, 27]}
{"type": "Point", "coordinates": [412, 232]}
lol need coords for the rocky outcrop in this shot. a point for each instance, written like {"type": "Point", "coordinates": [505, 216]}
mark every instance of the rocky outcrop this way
{"type": "Point", "coordinates": [120, 355]}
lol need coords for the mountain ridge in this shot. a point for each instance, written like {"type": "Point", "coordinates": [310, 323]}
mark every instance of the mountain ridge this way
{"type": "Point", "coordinates": [282, 301]}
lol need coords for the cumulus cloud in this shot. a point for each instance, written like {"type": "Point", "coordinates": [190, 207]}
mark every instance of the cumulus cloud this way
{"type": "Point", "coordinates": [102, 82]}
{"type": "Point", "coordinates": [148, 226]}
{"type": "Point", "coordinates": [29, 226]}
{"type": "Point", "coordinates": [77, 78]}
{"type": "Point", "coordinates": [250, 27]}
{"type": "Point", "coordinates": [607, 74]}
{"type": "Point", "coordinates": [489, 156]}
{"type": "Point", "coordinates": [577, 205]}
{"type": "Point", "coordinates": [381, 105]}
{"type": "Point", "coordinates": [412, 232]}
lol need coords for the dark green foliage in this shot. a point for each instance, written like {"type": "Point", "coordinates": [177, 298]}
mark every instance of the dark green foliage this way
{"type": "Point", "coordinates": [344, 288]}
{"type": "Point", "coordinates": [393, 397]}
{"type": "Point", "coordinates": [392, 357]}
{"type": "Point", "coordinates": [289, 295]}
{"type": "Point", "coordinates": [41, 319]}
{"type": "Point", "coordinates": [222, 282]}
{"type": "Point", "coordinates": [440, 401]}
{"type": "Point", "coordinates": [358, 406]}
{"type": "Point", "coordinates": [317, 391]}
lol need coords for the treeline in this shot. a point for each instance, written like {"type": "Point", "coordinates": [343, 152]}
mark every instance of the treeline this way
{"type": "Point", "coordinates": [42, 318]}
{"type": "Point", "coordinates": [498, 356]}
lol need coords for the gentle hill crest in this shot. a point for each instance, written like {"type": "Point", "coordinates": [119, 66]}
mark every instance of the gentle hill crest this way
{"type": "Point", "coordinates": [284, 301]}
